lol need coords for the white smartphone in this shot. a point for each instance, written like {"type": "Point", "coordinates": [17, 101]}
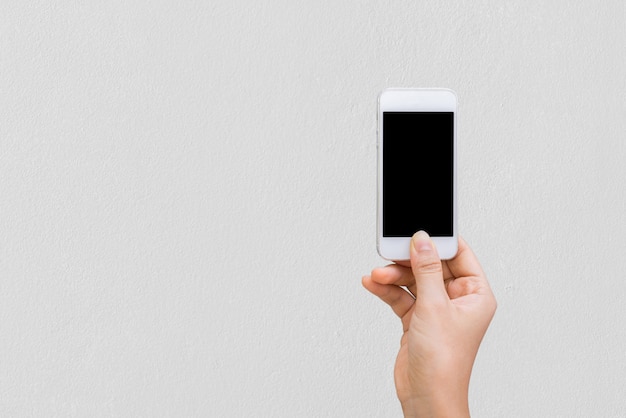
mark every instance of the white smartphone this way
{"type": "Point", "coordinates": [416, 170]}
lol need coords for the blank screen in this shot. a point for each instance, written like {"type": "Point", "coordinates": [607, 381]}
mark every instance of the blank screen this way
{"type": "Point", "coordinates": [418, 171]}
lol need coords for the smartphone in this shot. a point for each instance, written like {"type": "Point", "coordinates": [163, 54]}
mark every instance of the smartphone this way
{"type": "Point", "coordinates": [416, 170]}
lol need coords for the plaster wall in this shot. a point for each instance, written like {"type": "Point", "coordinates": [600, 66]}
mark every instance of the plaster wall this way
{"type": "Point", "coordinates": [187, 203]}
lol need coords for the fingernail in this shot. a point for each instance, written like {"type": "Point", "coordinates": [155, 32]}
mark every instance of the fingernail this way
{"type": "Point", "coordinates": [422, 242]}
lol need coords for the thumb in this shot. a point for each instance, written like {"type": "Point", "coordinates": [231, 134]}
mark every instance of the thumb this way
{"type": "Point", "coordinates": [427, 269]}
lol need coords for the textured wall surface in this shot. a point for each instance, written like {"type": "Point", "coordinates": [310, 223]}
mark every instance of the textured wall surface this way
{"type": "Point", "coordinates": [187, 203]}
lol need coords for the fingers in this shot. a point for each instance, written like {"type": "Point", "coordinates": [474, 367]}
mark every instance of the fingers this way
{"type": "Point", "coordinates": [465, 263]}
{"type": "Point", "coordinates": [401, 275]}
{"type": "Point", "coordinates": [397, 298]}
{"type": "Point", "coordinates": [471, 279]}
{"type": "Point", "coordinates": [396, 275]}
{"type": "Point", "coordinates": [427, 269]}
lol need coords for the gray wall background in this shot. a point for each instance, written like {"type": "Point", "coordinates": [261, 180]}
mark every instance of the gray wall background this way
{"type": "Point", "coordinates": [187, 203]}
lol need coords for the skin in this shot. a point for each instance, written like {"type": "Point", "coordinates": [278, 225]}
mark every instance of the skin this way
{"type": "Point", "coordinates": [445, 308]}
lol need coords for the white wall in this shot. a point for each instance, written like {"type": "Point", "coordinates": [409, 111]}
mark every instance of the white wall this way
{"type": "Point", "coordinates": [187, 203]}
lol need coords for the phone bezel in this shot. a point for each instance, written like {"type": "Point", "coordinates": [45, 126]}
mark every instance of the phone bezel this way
{"type": "Point", "coordinates": [416, 100]}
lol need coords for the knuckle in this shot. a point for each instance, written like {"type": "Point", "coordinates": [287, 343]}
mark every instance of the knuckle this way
{"type": "Point", "coordinates": [429, 266]}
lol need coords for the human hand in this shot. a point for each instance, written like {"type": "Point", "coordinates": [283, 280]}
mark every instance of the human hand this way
{"type": "Point", "coordinates": [445, 311]}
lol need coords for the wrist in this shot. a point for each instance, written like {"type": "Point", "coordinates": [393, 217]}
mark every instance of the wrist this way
{"type": "Point", "coordinates": [436, 405]}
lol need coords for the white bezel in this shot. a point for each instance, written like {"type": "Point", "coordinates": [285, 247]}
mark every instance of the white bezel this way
{"type": "Point", "coordinates": [415, 100]}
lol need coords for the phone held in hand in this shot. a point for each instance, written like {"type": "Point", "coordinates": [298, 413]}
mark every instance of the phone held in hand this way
{"type": "Point", "coordinates": [416, 170]}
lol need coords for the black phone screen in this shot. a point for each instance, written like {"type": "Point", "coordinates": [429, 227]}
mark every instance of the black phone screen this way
{"type": "Point", "coordinates": [418, 173]}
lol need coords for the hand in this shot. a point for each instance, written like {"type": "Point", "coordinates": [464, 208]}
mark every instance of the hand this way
{"type": "Point", "coordinates": [445, 307]}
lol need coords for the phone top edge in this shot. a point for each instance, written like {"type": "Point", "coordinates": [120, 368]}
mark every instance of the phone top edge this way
{"type": "Point", "coordinates": [419, 99]}
{"type": "Point", "coordinates": [418, 88]}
